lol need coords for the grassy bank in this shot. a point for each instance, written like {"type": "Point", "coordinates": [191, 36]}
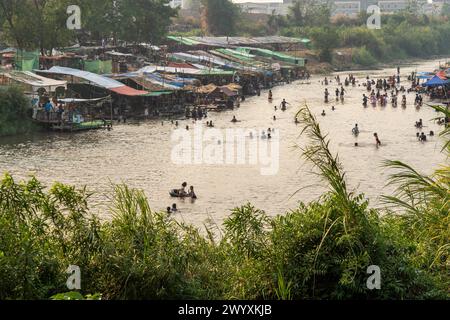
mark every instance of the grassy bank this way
{"type": "Point", "coordinates": [401, 36]}
{"type": "Point", "coordinates": [15, 117]}
{"type": "Point", "coordinates": [320, 250]}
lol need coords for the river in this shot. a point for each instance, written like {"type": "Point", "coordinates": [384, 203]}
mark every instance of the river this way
{"type": "Point", "coordinates": [140, 154]}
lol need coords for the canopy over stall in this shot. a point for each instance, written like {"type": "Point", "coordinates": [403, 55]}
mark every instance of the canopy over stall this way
{"type": "Point", "coordinates": [98, 80]}
{"type": "Point", "coordinates": [436, 81]}
{"type": "Point", "coordinates": [209, 59]}
{"type": "Point", "coordinates": [73, 100]}
{"type": "Point", "coordinates": [237, 41]}
{"type": "Point", "coordinates": [33, 81]}
{"type": "Point", "coordinates": [273, 55]}
{"type": "Point", "coordinates": [184, 71]}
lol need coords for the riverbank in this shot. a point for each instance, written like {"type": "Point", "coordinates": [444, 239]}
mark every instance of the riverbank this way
{"type": "Point", "coordinates": [325, 68]}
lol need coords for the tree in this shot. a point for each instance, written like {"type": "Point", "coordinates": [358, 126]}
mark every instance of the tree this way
{"type": "Point", "coordinates": [8, 12]}
{"type": "Point", "coordinates": [32, 24]}
{"type": "Point", "coordinates": [325, 40]}
{"type": "Point", "coordinates": [41, 24]}
{"type": "Point", "coordinates": [276, 22]}
{"type": "Point", "coordinates": [310, 13]}
{"type": "Point", "coordinates": [446, 10]}
{"type": "Point", "coordinates": [220, 17]}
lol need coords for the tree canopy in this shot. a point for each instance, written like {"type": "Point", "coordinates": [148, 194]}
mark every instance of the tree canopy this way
{"type": "Point", "coordinates": [220, 17]}
{"type": "Point", "coordinates": [41, 24]}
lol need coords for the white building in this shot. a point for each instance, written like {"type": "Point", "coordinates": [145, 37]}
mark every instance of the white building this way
{"type": "Point", "coordinates": [341, 7]}
{"type": "Point", "coordinates": [349, 8]}
{"type": "Point", "coordinates": [177, 4]}
{"type": "Point", "coordinates": [391, 6]}
{"type": "Point", "coordinates": [269, 7]}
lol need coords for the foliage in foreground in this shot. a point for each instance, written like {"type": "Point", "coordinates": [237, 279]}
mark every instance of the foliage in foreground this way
{"type": "Point", "coordinates": [320, 250]}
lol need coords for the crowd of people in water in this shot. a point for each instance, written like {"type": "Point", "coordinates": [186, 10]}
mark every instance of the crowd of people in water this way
{"type": "Point", "coordinates": [379, 92]}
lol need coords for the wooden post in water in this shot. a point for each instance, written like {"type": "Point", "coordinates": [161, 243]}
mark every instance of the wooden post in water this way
{"type": "Point", "coordinates": [111, 105]}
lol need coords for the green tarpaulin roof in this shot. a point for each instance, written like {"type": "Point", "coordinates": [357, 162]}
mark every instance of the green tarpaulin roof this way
{"type": "Point", "coordinates": [237, 41]}
{"type": "Point", "coordinates": [274, 55]}
{"type": "Point", "coordinates": [158, 93]}
{"type": "Point", "coordinates": [184, 40]}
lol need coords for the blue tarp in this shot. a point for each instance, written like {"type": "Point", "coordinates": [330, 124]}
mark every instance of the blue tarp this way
{"type": "Point", "coordinates": [436, 82]}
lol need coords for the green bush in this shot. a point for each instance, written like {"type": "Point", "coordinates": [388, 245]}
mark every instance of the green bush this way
{"type": "Point", "coordinates": [363, 57]}
{"type": "Point", "coordinates": [15, 115]}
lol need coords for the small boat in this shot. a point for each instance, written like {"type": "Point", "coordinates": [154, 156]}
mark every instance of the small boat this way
{"type": "Point", "coordinates": [176, 194]}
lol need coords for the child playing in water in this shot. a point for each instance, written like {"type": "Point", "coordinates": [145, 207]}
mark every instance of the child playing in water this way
{"type": "Point", "coordinates": [377, 139]}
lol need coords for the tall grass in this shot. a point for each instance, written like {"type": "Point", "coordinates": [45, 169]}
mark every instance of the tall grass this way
{"type": "Point", "coordinates": [320, 250]}
{"type": "Point", "coordinates": [424, 202]}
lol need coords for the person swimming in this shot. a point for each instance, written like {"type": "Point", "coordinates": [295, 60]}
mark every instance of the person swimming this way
{"type": "Point", "coordinates": [423, 137]}
{"type": "Point", "coordinates": [324, 113]}
{"type": "Point", "coordinates": [274, 118]}
{"type": "Point", "coordinates": [234, 119]}
{"type": "Point", "coordinates": [419, 124]}
{"type": "Point", "coordinates": [174, 208]}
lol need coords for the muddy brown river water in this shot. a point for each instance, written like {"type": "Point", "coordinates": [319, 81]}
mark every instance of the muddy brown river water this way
{"type": "Point", "coordinates": [141, 154]}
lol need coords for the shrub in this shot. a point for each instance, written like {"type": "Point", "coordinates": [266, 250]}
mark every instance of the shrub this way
{"type": "Point", "coordinates": [363, 57]}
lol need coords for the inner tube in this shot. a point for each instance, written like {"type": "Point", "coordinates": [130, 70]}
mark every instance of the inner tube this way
{"type": "Point", "coordinates": [174, 194]}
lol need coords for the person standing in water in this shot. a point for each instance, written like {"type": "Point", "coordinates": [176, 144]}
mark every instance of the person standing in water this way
{"type": "Point", "coordinates": [356, 130]}
{"type": "Point", "coordinates": [377, 139]}
{"type": "Point", "coordinates": [192, 193]}
{"type": "Point", "coordinates": [284, 104]}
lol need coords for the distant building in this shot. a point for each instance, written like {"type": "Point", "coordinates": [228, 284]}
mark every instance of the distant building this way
{"type": "Point", "coordinates": [344, 7]}
{"type": "Point", "coordinates": [349, 7]}
{"type": "Point", "coordinates": [392, 6]}
{"type": "Point", "coordinates": [278, 8]}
